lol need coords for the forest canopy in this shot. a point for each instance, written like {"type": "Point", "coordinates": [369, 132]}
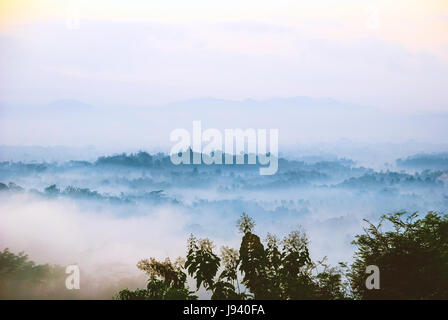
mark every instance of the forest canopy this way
{"type": "Point", "coordinates": [411, 253]}
{"type": "Point", "coordinates": [412, 256]}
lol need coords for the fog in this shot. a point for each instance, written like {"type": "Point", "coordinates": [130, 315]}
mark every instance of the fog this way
{"type": "Point", "coordinates": [90, 92]}
{"type": "Point", "coordinates": [300, 121]}
{"type": "Point", "coordinates": [107, 214]}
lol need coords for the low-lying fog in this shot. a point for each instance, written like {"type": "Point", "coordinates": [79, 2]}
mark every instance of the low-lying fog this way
{"type": "Point", "coordinates": [107, 214]}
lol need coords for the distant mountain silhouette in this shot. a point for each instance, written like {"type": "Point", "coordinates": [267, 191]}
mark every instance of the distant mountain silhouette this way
{"type": "Point", "coordinates": [297, 103]}
{"type": "Point", "coordinates": [300, 120]}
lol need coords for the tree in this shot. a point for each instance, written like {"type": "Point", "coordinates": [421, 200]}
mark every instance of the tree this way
{"type": "Point", "coordinates": [412, 257]}
{"type": "Point", "coordinates": [227, 283]}
{"type": "Point", "coordinates": [283, 269]}
{"type": "Point", "coordinates": [296, 267]}
{"type": "Point", "coordinates": [202, 263]}
{"type": "Point", "coordinates": [329, 282]}
{"type": "Point", "coordinates": [167, 281]}
{"type": "Point", "coordinates": [21, 278]}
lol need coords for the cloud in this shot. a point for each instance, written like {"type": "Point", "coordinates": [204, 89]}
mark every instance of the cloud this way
{"type": "Point", "coordinates": [104, 245]}
{"type": "Point", "coordinates": [139, 63]}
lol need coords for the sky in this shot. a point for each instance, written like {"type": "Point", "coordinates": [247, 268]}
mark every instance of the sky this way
{"type": "Point", "coordinates": [109, 76]}
{"type": "Point", "coordinates": [388, 54]}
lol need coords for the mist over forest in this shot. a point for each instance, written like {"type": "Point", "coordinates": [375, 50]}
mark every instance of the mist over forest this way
{"type": "Point", "coordinates": [108, 213]}
{"type": "Point", "coordinates": [341, 104]}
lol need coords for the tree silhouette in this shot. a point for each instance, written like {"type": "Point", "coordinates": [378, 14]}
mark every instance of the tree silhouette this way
{"type": "Point", "coordinates": [412, 257]}
{"type": "Point", "coordinates": [21, 278]}
{"type": "Point", "coordinates": [167, 281]}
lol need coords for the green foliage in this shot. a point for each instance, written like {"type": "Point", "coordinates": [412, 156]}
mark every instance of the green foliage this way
{"type": "Point", "coordinates": [227, 283]}
{"type": "Point", "coordinates": [171, 273]}
{"type": "Point", "coordinates": [253, 262]}
{"type": "Point", "coordinates": [329, 282]}
{"type": "Point", "coordinates": [412, 257]}
{"type": "Point", "coordinates": [284, 270]}
{"type": "Point", "coordinates": [21, 278]}
{"type": "Point", "coordinates": [411, 253]}
{"type": "Point", "coordinates": [166, 282]}
{"type": "Point", "coordinates": [202, 264]}
{"type": "Point", "coordinates": [156, 290]}
{"type": "Point", "coordinates": [296, 267]}
{"type": "Point", "coordinates": [223, 290]}
{"type": "Point", "coordinates": [245, 223]}
{"type": "Point", "coordinates": [139, 294]}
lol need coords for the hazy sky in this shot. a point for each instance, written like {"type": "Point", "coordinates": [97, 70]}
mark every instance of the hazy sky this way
{"type": "Point", "coordinates": [390, 54]}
